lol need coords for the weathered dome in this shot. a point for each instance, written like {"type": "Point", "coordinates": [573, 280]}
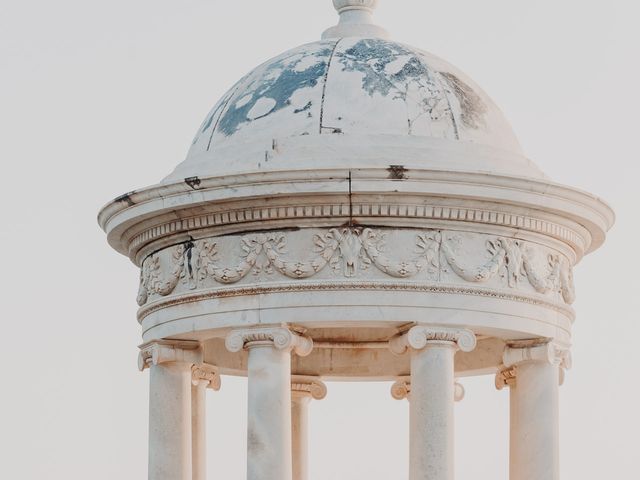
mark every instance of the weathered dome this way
{"type": "Point", "coordinates": [355, 102]}
{"type": "Point", "coordinates": [351, 188]}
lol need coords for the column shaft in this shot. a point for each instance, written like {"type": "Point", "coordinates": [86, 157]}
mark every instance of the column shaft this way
{"type": "Point", "coordinates": [431, 412]}
{"type": "Point", "coordinates": [300, 435]}
{"type": "Point", "coordinates": [534, 442]}
{"type": "Point", "coordinates": [269, 418]}
{"type": "Point", "coordinates": [198, 428]}
{"type": "Point", "coordinates": [170, 422]}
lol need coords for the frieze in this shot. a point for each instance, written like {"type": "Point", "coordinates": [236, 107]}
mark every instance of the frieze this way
{"type": "Point", "coordinates": [358, 254]}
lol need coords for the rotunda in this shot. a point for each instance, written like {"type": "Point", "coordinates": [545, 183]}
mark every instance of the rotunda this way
{"type": "Point", "coordinates": [354, 209]}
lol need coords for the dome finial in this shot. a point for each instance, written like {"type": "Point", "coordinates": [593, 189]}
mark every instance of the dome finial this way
{"type": "Point", "coordinates": [356, 20]}
{"type": "Point", "coordinates": [345, 5]}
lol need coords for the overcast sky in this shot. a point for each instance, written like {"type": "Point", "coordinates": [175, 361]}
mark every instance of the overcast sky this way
{"type": "Point", "coordinates": [98, 97]}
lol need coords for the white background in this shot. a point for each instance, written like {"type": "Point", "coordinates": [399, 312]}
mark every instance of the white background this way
{"type": "Point", "coordinates": [98, 97]}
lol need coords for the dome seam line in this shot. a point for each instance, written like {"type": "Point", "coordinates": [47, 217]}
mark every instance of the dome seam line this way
{"type": "Point", "coordinates": [326, 79]}
{"type": "Point", "coordinates": [454, 122]}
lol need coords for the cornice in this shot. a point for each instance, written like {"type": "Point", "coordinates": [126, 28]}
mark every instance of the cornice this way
{"type": "Point", "coordinates": [251, 216]}
{"type": "Point", "coordinates": [544, 200]}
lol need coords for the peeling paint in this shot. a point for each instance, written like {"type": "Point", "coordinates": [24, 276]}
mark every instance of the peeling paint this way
{"type": "Point", "coordinates": [276, 85]}
{"type": "Point", "coordinates": [125, 198]}
{"type": "Point", "coordinates": [373, 58]}
{"type": "Point", "coordinates": [352, 86]}
{"type": "Point", "coordinates": [193, 182]}
{"type": "Point", "coordinates": [472, 107]}
{"type": "Point", "coordinates": [390, 69]}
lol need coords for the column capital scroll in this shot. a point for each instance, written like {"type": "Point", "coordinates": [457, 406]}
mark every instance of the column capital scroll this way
{"type": "Point", "coordinates": [420, 336]}
{"type": "Point", "coordinates": [281, 338]}
{"type": "Point", "coordinates": [401, 389]}
{"type": "Point", "coordinates": [505, 378]}
{"type": "Point", "coordinates": [308, 386]}
{"type": "Point", "coordinates": [168, 351]}
{"type": "Point", "coordinates": [206, 373]}
{"type": "Point", "coordinates": [541, 351]}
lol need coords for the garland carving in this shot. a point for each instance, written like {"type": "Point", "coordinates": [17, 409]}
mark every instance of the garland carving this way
{"type": "Point", "coordinates": [349, 251]}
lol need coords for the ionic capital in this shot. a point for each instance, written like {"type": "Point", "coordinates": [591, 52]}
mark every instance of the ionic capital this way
{"type": "Point", "coordinates": [168, 351]}
{"type": "Point", "coordinates": [309, 387]}
{"type": "Point", "coordinates": [281, 338]}
{"type": "Point", "coordinates": [536, 351]}
{"type": "Point", "coordinates": [401, 389]}
{"type": "Point", "coordinates": [205, 373]}
{"type": "Point", "coordinates": [420, 336]}
{"type": "Point", "coordinates": [506, 378]}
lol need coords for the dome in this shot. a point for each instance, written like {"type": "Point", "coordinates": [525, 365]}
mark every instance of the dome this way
{"type": "Point", "coordinates": [349, 189]}
{"type": "Point", "coordinates": [359, 102]}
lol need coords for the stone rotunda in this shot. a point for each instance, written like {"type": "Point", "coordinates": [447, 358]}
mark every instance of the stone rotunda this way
{"type": "Point", "coordinates": [354, 209]}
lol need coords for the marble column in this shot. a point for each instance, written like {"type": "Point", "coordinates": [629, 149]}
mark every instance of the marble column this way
{"type": "Point", "coordinates": [170, 439]}
{"type": "Point", "coordinates": [269, 455]}
{"type": "Point", "coordinates": [431, 431]}
{"type": "Point", "coordinates": [303, 389]}
{"type": "Point", "coordinates": [202, 377]}
{"type": "Point", "coordinates": [533, 375]}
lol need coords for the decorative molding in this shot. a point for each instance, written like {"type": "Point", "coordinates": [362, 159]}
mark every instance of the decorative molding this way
{"type": "Point", "coordinates": [401, 389]}
{"type": "Point", "coordinates": [458, 392]}
{"type": "Point", "coordinates": [310, 387]}
{"type": "Point", "coordinates": [391, 209]}
{"type": "Point", "coordinates": [281, 338]}
{"type": "Point", "coordinates": [168, 351]}
{"type": "Point", "coordinates": [338, 286]}
{"type": "Point", "coordinates": [505, 378]}
{"type": "Point", "coordinates": [542, 350]}
{"type": "Point", "coordinates": [420, 336]}
{"type": "Point", "coordinates": [351, 251]}
{"type": "Point", "coordinates": [537, 351]}
{"type": "Point", "coordinates": [206, 373]}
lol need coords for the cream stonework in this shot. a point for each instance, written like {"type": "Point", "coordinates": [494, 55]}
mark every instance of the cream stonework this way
{"type": "Point", "coordinates": [354, 209]}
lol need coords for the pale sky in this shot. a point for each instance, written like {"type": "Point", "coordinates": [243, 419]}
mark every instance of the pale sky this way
{"type": "Point", "coordinates": [101, 97]}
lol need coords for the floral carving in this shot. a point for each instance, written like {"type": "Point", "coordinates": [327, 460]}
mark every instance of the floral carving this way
{"type": "Point", "coordinates": [152, 278]}
{"type": "Point", "coordinates": [427, 245]}
{"type": "Point", "coordinates": [349, 251]}
{"type": "Point", "coordinates": [207, 258]}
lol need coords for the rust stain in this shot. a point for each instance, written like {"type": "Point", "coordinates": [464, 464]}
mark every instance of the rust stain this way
{"type": "Point", "coordinates": [397, 172]}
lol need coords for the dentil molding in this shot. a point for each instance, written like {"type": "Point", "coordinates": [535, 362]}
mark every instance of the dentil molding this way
{"type": "Point", "coordinates": [250, 215]}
